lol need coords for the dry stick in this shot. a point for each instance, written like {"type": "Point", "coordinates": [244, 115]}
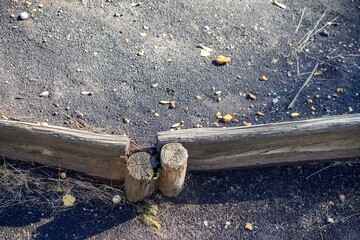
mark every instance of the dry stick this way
{"type": "Point", "coordinates": [342, 219]}
{"type": "Point", "coordinates": [291, 105]}
{"type": "Point", "coordinates": [332, 165]}
{"type": "Point", "coordinates": [323, 62]}
{"type": "Point", "coordinates": [301, 18]}
{"type": "Point", "coordinates": [307, 36]}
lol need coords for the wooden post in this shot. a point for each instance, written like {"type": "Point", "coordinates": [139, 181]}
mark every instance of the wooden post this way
{"type": "Point", "coordinates": [139, 176]}
{"type": "Point", "coordinates": [174, 163]}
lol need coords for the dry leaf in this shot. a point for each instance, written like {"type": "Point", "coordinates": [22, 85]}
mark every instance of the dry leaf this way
{"type": "Point", "coordinates": [263, 78]}
{"type": "Point", "coordinates": [222, 59]}
{"type": "Point", "coordinates": [167, 101]}
{"type": "Point", "coordinates": [141, 53]}
{"type": "Point", "coordinates": [218, 92]}
{"type": "Point", "coordinates": [207, 49]}
{"type": "Point", "coordinates": [86, 93]}
{"type": "Point", "coordinates": [252, 96]}
{"type": "Point", "coordinates": [247, 124]}
{"type": "Point", "coordinates": [331, 203]}
{"type": "Point", "coordinates": [204, 53]}
{"type": "Point", "coordinates": [295, 114]}
{"type": "Point", "coordinates": [249, 226]}
{"type": "Point", "coordinates": [143, 34]}
{"type": "Point", "coordinates": [185, 108]}
{"type": "Point", "coordinates": [234, 120]}
{"type": "Point", "coordinates": [260, 114]}
{"type": "Point", "coordinates": [198, 125]}
{"type": "Point", "coordinates": [309, 101]}
{"type": "Point", "coordinates": [339, 90]}
{"type": "Point", "coordinates": [342, 197]}
{"type": "Point", "coordinates": [350, 110]}
{"type": "Point", "coordinates": [63, 175]}
{"type": "Point", "coordinates": [198, 97]}
{"type": "Point", "coordinates": [280, 5]}
{"type": "Point", "coordinates": [216, 124]}
{"type": "Point", "coordinates": [227, 118]}
{"type": "Point", "coordinates": [218, 115]}
{"type": "Point", "coordinates": [68, 200]}
{"type": "Point", "coordinates": [313, 108]}
{"type": "Point", "coordinates": [176, 125]}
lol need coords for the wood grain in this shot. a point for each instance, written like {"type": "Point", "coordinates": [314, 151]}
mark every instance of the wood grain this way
{"type": "Point", "coordinates": [98, 155]}
{"type": "Point", "coordinates": [327, 138]}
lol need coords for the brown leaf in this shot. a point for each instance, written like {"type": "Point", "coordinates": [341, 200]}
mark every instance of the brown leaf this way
{"type": "Point", "coordinates": [227, 118]}
{"type": "Point", "coordinates": [222, 59]}
{"type": "Point", "coordinates": [295, 114]}
{"type": "Point", "coordinates": [249, 226]}
{"type": "Point", "coordinates": [263, 78]}
{"type": "Point", "coordinates": [251, 96]}
{"type": "Point", "coordinates": [342, 197]}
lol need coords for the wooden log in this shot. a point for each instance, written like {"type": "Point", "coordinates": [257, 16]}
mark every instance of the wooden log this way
{"type": "Point", "coordinates": [98, 155]}
{"type": "Point", "coordinates": [139, 177]}
{"type": "Point", "coordinates": [328, 138]}
{"type": "Point", "coordinates": [173, 159]}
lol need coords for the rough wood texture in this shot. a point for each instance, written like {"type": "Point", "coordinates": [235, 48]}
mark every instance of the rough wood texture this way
{"type": "Point", "coordinates": [139, 177]}
{"type": "Point", "coordinates": [98, 155]}
{"type": "Point", "coordinates": [173, 162]}
{"type": "Point", "coordinates": [327, 138]}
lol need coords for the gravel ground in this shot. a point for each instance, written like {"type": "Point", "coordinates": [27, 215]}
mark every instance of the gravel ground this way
{"type": "Point", "coordinates": [131, 56]}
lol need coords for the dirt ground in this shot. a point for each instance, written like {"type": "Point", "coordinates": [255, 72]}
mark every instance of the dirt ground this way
{"type": "Point", "coordinates": [285, 202]}
{"type": "Point", "coordinates": [132, 55]}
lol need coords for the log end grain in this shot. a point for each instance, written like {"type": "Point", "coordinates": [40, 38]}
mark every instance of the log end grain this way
{"type": "Point", "coordinates": [139, 177]}
{"type": "Point", "coordinates": [174, 163]}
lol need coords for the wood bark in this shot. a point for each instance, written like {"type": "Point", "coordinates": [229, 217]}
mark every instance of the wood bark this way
{"type": "Point", "coordinates": [173, 163]}
{"type": "Point", "coordinates": [139, 177]}
{"type": "Point", "coordinates": [328, 138]}
{"type": "Point", "coordinates": [98, 155]}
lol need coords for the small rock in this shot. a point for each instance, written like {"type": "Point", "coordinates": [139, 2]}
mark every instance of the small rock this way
{"type": "Point", "coordinates": [154, 85]}
{"type": "Point", "coordinates": [330, 220]}
{"type": "Point", "coordinates": [275, 100]}
{"type": "Point", "coordinates": [44, 94]}
{"type": "Point", "coordinates": [116, 199]}
{"type": "Point", "coordinates": [325, 33]}
{"type": "Point", "coordinates": [23, 15]}
{"type": "Point", "coordinates": [206, 223]}
{"type": "Point", "coordinates": [117, 15]}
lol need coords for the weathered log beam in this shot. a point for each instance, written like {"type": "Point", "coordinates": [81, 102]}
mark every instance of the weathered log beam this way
{"type": "Point", "coordinates": [327, 138]}
{"type": "Point", "coordinates": [98, 155]}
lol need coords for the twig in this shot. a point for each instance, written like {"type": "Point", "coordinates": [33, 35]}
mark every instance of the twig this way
{"type": "Point", "coordinates": [301, 18]}
{"type": "Point", "coordinates": [332, 165]}
{"type": "Point", "coordinates": [291, 105]}
{"type": "Point", "coordinates": [308, 35]}
{"type": "Point", "coordinates": [342, 219]}
{"type": "Point", "coordinates": [323, 62]}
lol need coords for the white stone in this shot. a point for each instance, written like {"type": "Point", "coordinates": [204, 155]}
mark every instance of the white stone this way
{"type": "Point", "coordinates": [24, 15]}
{"type": "Point", "coordinates": [116, 199]}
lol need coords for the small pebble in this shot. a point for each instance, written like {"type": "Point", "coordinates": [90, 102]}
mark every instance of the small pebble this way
{"type": "Point", "coordinates": [206, 223]}
{"type": "Point", "coordinates": [275, 100]}
{"type": "Point", "coordinates": [325, 33]}
{"type": "Point", "coordinates": [154, 85]}
{"type": "Point", "coordinates": [23, 15]}
{"type": "Point", "coordinates": [330, 220]}
{"type": "Point", "coordinates": [44, 94]}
